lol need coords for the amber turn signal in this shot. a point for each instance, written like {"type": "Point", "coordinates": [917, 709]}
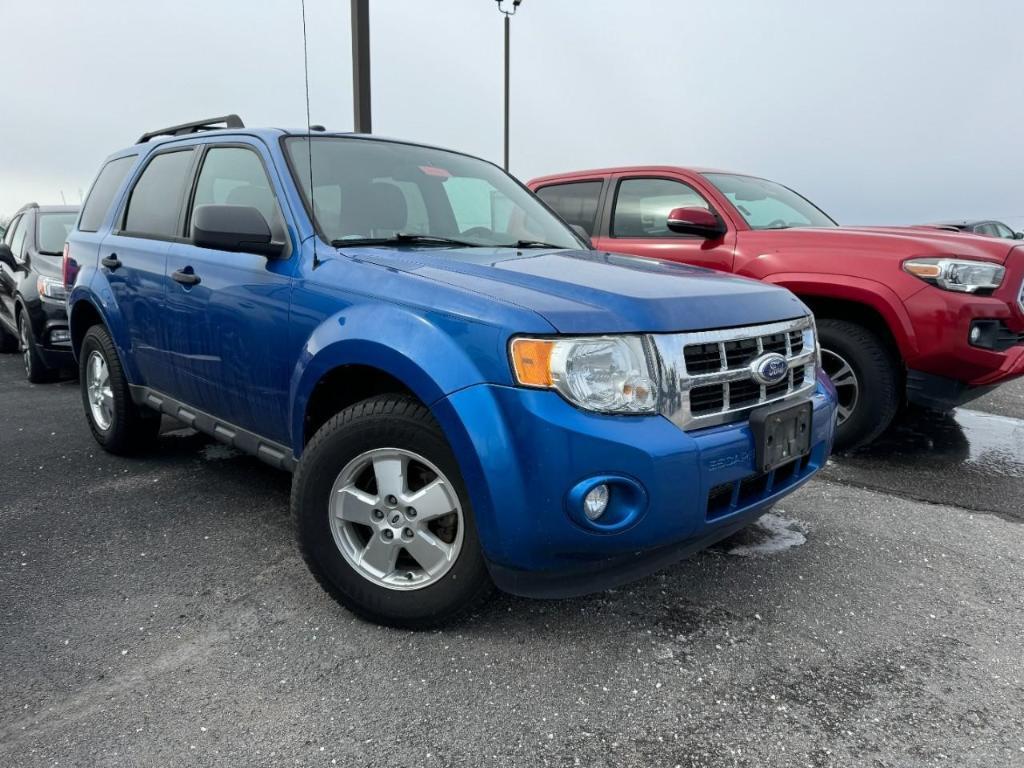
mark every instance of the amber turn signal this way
{"type": "Point", "coordinates": [531, 359]}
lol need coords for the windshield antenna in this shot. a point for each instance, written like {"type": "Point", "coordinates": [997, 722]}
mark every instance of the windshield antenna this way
{"type": "Point", "coordinates": [309, 136]}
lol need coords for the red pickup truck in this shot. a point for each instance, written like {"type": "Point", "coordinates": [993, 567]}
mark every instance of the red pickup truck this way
{"type": "Point", "coordinates": [926, 316]}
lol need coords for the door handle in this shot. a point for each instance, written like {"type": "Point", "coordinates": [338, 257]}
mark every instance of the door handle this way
{"type": "Point", "coordinates": [185, 278]}
{"type": "Point", "coordinates": [111, 262]}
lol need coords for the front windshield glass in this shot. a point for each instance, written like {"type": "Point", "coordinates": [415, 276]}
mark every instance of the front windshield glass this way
{"type": "Point", "coordinates": [367, 190]}
{"type": "Point", "coordinates": [53, 230]}
{"type": "Point", "coordinates": [764, 204]}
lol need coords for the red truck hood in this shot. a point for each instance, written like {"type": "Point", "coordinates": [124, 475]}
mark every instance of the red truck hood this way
{"type": "Point", "coordinates": [899, 242]}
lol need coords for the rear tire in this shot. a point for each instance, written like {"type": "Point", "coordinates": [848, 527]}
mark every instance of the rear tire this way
{"type": "Point", "coordinates": [118, 424]}
{"type": "Point", "coordinates": [866, 373]}
{"type": "Point", "coordinates": [359, 531]}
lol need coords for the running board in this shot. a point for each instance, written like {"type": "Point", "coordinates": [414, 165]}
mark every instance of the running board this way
{"type": "Point", "coordinates": [274, 454]}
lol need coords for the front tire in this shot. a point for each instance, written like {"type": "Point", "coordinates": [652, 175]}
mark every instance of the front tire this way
{"type": "Point", "coordinates": [35, 369]}
{"type": "Point", "coordinates": [866, 374]}
{"type": "Point", "coordinates": [118, 424]}
{"type": "Point", "coordinates": [383, 518]}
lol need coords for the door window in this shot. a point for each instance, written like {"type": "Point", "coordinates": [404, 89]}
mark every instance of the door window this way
{"type": "Point", "coordinates": [642, 206]}
{"type": "Point", "coordinates": [102, 193]}
{"type": "Point", "coordinates": [17, 237]}
{"type": "Point", "coordinates": [575, 202]}
{"type": "Point", "coordinates": [236, 176]}
{"type": "Point", "coordinates": [154, 207]}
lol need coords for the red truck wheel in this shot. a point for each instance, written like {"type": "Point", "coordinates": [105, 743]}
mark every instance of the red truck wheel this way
{"type": "Point", "coordinates": [866, 376]}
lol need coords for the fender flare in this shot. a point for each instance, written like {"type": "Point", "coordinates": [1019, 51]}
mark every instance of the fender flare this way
{"type": "Point", "coordinates": [416, 352]}
{"type": "Point", "coordinates": [102, 302]}
{"type": "Point", "coordinates": [878, 296]}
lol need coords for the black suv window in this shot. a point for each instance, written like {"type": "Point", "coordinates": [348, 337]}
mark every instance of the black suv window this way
{"type": "Point", "coordinates": [103, 191]}
{"type": "Point", "coordinates": [16, 237]}
{"type": "Point", "coordinates": [642, 206]}
{"type": "Point", "coordinates": [154, 206]}
{"type": "Point", "coordinates": [235, 176]}
{"type": "Point", "coordinates": [575, 202]}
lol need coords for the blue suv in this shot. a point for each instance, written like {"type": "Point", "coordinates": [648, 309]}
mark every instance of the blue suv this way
{"type": "Point", "coordinates": [467, 393]}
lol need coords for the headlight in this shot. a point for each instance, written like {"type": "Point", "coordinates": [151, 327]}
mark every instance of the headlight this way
{"type": "Point", "coordinates": [609, 374]}
{"type": "Point", "coordinates": [962, 275]}
{"type": "Point", "coordinates": [50, 288]}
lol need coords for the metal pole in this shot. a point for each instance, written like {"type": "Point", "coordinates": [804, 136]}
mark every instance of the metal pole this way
{"type": "Point", "coordinates": [361, 65]}
{"type": "Point", "coordinates": [508, 27]}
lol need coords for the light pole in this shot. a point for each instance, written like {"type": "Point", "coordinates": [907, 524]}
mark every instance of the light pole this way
{"type": "Point", "coordinates": [508, 15]}
{"type": "Point", "coordinates": [361, 65]}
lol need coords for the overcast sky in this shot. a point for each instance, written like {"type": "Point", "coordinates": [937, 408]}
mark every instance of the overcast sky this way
{"type": "Point", "coordinates": [880, 111]}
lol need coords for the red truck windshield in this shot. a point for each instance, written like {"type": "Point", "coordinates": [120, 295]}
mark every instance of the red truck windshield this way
{"type": "Point", "coordinates": [764, 204]}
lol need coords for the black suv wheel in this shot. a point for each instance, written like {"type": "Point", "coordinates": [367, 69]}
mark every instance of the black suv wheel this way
{"type": "Point", "coordinates": [35, 369]}
{"type": "Point", "coordinates": [866, 375]}
{"type": "Point", "coordinates": [117, 423]}
{"type": "Point", "coordinates": [383, 518]}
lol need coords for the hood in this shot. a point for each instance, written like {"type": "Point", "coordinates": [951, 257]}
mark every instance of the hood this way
{"type": "Point", "coordinates": [899, 242]}
{"type": "Point", "coordinates": [594, 291]}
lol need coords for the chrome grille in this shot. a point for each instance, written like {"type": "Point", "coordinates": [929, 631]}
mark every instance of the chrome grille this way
{"type": "Point", "coordinates": [706, 378]}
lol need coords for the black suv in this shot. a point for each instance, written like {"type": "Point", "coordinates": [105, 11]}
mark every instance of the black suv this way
{"type": "Point", "coordinates": [33, 314]}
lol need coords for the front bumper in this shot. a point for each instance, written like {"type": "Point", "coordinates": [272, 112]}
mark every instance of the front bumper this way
{"type": "Point", "coordinates": [521, 452]}
{"type": "Point", "coordinates": [48, 317]}
{"type": "Point", "coordinates": [942, 323]}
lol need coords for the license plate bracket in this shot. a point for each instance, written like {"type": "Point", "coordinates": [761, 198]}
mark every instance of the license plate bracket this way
{"type": "Point", "coordinates": [782, 433]}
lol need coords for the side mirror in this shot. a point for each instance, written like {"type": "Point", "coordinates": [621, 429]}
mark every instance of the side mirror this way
{"type": "Point", "coordinates": [695, 221]}
{"type": "Point", "coordinates": [1018, 235]}
{"type": "Point", "coordinates": [7, 256]}
{"type": "Point", "coordinates": [583, 234]}
{"type": "Point", "coordinates": [240, 228]}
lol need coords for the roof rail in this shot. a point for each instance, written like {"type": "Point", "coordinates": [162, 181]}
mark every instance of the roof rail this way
{"type": "Point", "coordinates": [210, 124]}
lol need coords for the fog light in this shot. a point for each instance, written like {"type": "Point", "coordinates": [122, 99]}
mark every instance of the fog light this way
{"type": "Point", "coordinates": [596, 501]}
{"type": "Point", "coordinates": [975, 334]}
{"type": "Point", "coordinates": [56, 337]}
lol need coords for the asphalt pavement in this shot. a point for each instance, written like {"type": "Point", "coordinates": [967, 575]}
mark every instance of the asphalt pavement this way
{"type": "Point", "coordinates": [154, 612]}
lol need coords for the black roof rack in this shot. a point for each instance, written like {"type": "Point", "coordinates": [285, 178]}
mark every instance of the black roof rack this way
{"type": "Point", "coordinates": [210, 124]}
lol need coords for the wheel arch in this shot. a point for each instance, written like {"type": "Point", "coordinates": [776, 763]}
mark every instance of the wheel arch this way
{"type": "Point", "coordinates": [856, 300]}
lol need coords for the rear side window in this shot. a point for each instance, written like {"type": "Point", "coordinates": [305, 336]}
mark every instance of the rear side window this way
{"type": "Point", "coordinates": [575, 202]}
{"type": "Point", "coordinates": [102, 193]}
{"type": "Point", "coordinates": [154, 206]}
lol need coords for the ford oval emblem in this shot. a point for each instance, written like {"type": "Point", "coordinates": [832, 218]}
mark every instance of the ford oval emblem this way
{"type": "Point", "coordinates": [769, 369]}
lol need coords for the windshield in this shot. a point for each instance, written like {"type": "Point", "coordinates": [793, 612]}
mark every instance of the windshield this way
{"type": "Point", "coordinates": [767, 205]}
{"type": "Point", "coordinates": [53, 230]}
{"type": "Point", "coordinates": [376, 190]}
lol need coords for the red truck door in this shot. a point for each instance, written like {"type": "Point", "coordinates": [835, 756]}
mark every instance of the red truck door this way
{"type": "Point", "coordinates": [634, 221]}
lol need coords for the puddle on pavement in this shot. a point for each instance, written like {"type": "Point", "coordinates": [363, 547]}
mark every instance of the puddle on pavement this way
{"type": "Point", "coordinates": [988, 444]}
{"type": "Point", "coordinates": [967, 458]}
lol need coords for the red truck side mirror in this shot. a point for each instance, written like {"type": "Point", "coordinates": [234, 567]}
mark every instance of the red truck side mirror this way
{"type": "Point", "coordinates": [695, 221]}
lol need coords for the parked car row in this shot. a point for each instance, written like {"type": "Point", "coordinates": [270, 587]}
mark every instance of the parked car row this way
{"type": "Point", "coordinates": [469, 391]}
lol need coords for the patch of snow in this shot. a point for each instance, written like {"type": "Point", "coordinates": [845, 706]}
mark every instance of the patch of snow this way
{"type": "Point", "coordinates": [768, 536]}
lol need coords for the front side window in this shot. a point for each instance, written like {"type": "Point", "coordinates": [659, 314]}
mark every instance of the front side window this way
{"type": "Point", "coordinates": [764, 204]}
{"type": "Point", "coordinates": [102, 193]}
{"type": "Point", "coordinates": [363, 189]}
{"type": "Point", "coordinates": [1002, 230]}
{"type": "Point", "coordinates": [236, 176]}
{"type": "Point", "coordinates": [12, 229]}
{"type": "Point", "coordinates": [575, 202]}
{"type": "Point", "coordinates": [642, 206]}
{"type": "Point", "coordinates": [53, 229]}
{"type": "Point", "coordinates": [17, 237]}
{"type": "Point", "coordinates": [154, 206]}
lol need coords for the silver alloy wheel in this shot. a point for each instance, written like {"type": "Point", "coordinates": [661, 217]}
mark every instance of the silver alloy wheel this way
{"type": "Point", "coordinates": [845, 381]}
{"type": "Point", "coordinates": [101, 396]}
{"type": "Point", "coordinates": [396, 519]}
{"type": "Point", "coordinates": [26, 350]}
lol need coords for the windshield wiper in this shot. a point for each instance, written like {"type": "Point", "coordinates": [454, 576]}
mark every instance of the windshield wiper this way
{"type": "Point", "coordinates": [405, 237]}
{"type": "Point", "coordinates": [530, 244]}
